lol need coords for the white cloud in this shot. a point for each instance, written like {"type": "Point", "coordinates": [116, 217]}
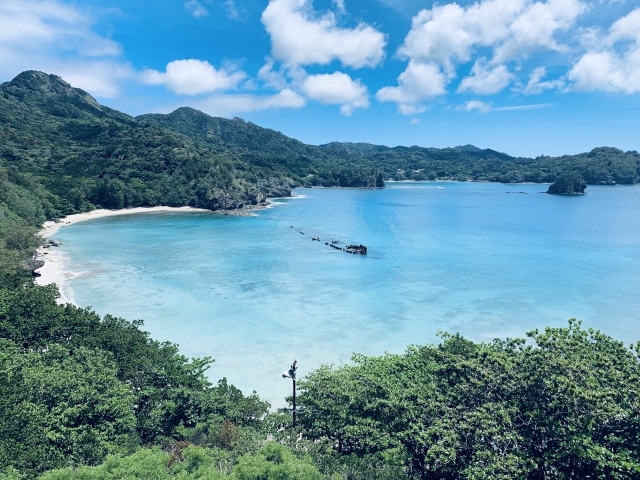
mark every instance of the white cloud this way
{"type": "Point", "coordinates": [281, 77]}
{"type": "Point", "coordinates": [340, 6]}
{"type": "Point", "coordinates": [414, 121]}
{"type": "Point", "coordinates": [485, 80]}
{"type": "Point", "coordinates": [100, 78]}
{"type": "Point", "coordinates": [535, 85]}
{"type": "Point", "coordinates": [300, 36]}
{"type": "Point", "coordinates": [613, 62]}
{"type": "Point", "coordinates": [444, 36]}
{"type": "Point", "coordinates": [234, 104]}
{"type": "Point", "coordinates": [449, 34]}
{"type": "Point", "coordinates": [535, 27]}
{"type": "Point", "coordinates": [338, 89]}
{"type": "Point", "coordinates": [482, 107]}
{"type": "Point", "coordinates": [196, 8]}
{"type": "Point", "coordinates": [419, 82]}
{"type": "Point", "coordinates": [486, 107]}
{"type": "Point", "coordinates": [28, 25]}
{"type": "Point", "coordinates": [193, 77]}
{"type": "Point", "coordinates": [512, 108]}
{"type": "Point", "coordinates": [51, 36]}
{"type": "Point", "coordinates": [407, 7]}
{"type": "Point", "coordinates": [232, 11]}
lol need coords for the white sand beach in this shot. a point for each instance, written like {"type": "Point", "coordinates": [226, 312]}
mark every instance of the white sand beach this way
{"type": "Point", "coordinates": [54, 270]}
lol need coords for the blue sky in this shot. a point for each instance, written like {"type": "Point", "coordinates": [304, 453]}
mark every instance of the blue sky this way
{"type": "Point", "coordinates": [521, 76]}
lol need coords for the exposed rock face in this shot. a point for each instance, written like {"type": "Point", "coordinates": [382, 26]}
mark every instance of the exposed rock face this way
{"type": "Point", "coordinates": [218, 199]}
{"type": "Point", "coordinates": [31, 265]}
{"type": "Point", "coordinates": [373, 181]}
{"type": "Point", "coordinates": [568, 184]}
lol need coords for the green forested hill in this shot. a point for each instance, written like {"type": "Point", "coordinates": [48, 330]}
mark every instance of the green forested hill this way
{"type": "Point", "coordinates": [602, 165]}
{"type": "Point", "coordinates": [336, 163]}
{"type": "Point", "coordinates": [264, 148]}
{"type": "Point", "coordinates": [85, 397]}
{"type": "Point", "coordinates": [222, 134]}
{"type": "Point", "coordinates": [62, 152]}
{"type": "Point", "coordinates": [88, 155]}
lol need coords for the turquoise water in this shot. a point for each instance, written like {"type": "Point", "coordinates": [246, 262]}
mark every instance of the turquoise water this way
{"type": "Point", "coordinates": [254, 293]}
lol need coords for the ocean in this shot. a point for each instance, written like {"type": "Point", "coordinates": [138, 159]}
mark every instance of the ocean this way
{"type": "Point", "coordinates": [255, 292]}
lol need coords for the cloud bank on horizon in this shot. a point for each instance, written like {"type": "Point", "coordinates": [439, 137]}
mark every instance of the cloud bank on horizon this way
{"type": "Point", "coordinates": [467, 56]}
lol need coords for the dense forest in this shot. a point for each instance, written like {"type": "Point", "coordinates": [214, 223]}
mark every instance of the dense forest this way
{"type": "Point", "coordinates": [84, 397]}
{"type": "Point", "coordinates": [67, 153]}
{"type": "Point", "coordinates": [333, 164]}
{"type": "Point", "coordinates": [90, 397]}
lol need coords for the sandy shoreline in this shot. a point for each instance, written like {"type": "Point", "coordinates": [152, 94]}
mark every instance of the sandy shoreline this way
{"type": "Point", "coordinates": [54, 270]}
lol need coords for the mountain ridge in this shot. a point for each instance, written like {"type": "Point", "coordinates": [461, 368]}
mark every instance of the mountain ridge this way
{"type": "Point", "coordinates": [602, 165]}
{"type": "Point", "coordinates": [64, 152]}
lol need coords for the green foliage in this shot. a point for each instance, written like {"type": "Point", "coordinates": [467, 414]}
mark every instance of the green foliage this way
{"type": "Point", "coordinates": [568, 184]}
{"type": "Point", "coordinates": [564, 407]}
{"type": "Point", "coordinates": [62, 152]}
{"type": "Point", "coordinates": [75, 387]}
{"type": "Point", "coordinates": [272, 462]}
{"type": "Point", "coordinates": [61, 407]}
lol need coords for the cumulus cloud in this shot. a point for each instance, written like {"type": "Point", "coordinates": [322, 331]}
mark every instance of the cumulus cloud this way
{"type": "Point", "coordinates": [339, 89]}
{"type": "Point", "coordinates": [419, 82]}
{"type": "Point", "coordinates": [445, 36]}
{"type": "Point", "coordinates": [449, 34]}
{"type": "Point", "coordinates": [480, 106]}
{"type": "Point", "coordinates": [193, 77]}
{"type": "Point", "coordinates": [535, 27]}
{"type": "Point", "coordinates": [234, 104]}
{"type": "Point", "coordinates": [340, 6]}
{"type": "Point", "coordinates": [282, 76]}
{"type": "Point", "coordinates": [300, 36]}
{"type": "Point", "coordinates": [485, 80]}
{"type": "Point", "coordinates": [100, 78]}
{"type": "Point", "coordinates": [56, 38]}
{"type": "Point", "coordinates": [196, 8]}
{"type": "Point", "coordinates": [613, 62]}
{"type": "Point", "coordinates": [535, 85]}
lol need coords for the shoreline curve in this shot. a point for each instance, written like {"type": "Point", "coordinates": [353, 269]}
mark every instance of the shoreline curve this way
{"type": "Point", "coordinates": [54, 270]}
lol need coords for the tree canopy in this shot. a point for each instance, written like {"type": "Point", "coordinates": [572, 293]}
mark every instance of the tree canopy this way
{"type": "Point", "coordinates": [564, 404]}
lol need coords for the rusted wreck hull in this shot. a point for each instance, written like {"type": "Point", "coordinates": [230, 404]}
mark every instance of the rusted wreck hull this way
{"type": "Point", "coordinates": [356, 249]}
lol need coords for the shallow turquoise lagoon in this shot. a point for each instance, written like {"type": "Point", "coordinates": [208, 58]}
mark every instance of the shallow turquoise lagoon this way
{"type": "Point", "coordinates": [252, 292]}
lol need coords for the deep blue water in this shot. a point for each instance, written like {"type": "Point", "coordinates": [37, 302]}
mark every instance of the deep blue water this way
{"type": "Point", "coordinates": [463, 257]}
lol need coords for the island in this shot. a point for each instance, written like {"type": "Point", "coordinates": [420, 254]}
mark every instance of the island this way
{"type": "Point", "coordinates": [568, 184]}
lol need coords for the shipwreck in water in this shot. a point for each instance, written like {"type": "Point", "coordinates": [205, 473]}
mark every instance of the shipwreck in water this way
{"type": "Point", "coordinates": [356, 249]}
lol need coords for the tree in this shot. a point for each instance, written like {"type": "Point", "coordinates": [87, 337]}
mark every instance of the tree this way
{"type": "Point", "coordinates": [567, 184]}
{"type": "Point", "coordinates": [566, 406]}
{"type": "Point", "coordinates": [60, 407]}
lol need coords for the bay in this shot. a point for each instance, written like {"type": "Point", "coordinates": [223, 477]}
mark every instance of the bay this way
{"type": "Point", "coordinates": [484, 260]}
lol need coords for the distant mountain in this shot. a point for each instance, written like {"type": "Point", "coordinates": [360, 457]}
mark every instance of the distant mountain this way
{"type": "Point", "coordinates": [267, 149]}
{"type": "Point", "coordinates": [468, 148]}
{"type": "Point", "coordinates": [78, 154]}
{"type": "Point", "coordinates": [222, 134]}
{"type": "Point", "coordinates": [355, 148]}
{"type": "Point", "coordinates": [334, 164]}
{"type": "Point", "coordinates": [62, 152]}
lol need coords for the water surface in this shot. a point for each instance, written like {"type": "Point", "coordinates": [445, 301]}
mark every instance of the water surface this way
{"type": "Point", "coordinates": [254, 292]}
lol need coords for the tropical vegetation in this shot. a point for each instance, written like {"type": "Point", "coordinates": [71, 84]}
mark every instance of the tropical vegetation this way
{"type": "Point", "coordinates": [84, 396]}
